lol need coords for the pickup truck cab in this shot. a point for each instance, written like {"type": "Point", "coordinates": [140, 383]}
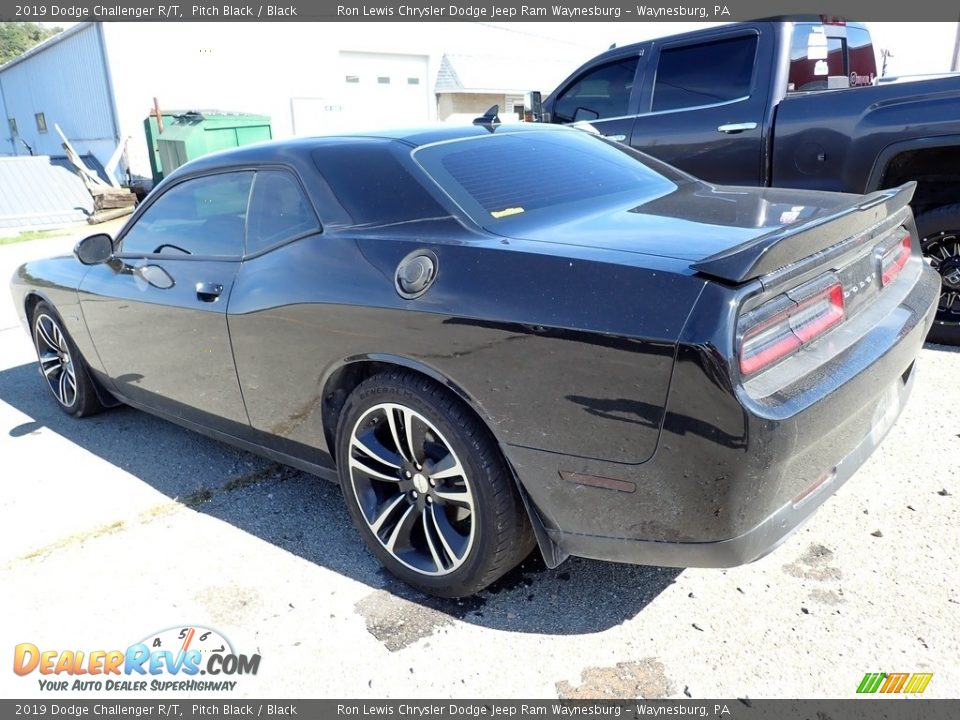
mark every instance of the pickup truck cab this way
{"type": "Point", "coordinates": [785, 104]}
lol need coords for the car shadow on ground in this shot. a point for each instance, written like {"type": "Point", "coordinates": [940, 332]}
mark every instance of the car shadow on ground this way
{"type": "Point", "coordinates": [305, 515]}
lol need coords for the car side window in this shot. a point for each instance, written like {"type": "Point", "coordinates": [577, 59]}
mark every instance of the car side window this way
{"type": "Point", "coordinates": [705, 74]}
{"type": "Point", "coordinates": [278, 211]}
{"type": "Point", "coordinates": [203, 216]}
{"type": "Point", "coordinates": [604, 92]}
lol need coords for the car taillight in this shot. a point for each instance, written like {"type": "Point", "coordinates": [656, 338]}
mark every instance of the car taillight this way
{"type": "Point", "coordinates": [783, 325]}
{"type": "Point", "coordinates": [894, 259]}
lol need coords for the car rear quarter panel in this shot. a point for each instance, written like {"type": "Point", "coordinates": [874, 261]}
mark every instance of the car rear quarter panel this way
{"type": "Point", "coordinates": [569, 354]}
{"type": "Point", "coordinates": [725, 463]}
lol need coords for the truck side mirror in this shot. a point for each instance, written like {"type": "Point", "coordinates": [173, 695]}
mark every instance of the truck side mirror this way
{"type": "Point", "coordinates": [532, 107]}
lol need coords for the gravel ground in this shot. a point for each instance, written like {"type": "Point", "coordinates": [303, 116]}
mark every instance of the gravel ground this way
{"type": "Point", "coordinates": [118, 526]}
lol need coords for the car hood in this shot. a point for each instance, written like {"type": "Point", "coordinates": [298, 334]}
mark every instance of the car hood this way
{"type": "Point", "coordinates": [691, 223]}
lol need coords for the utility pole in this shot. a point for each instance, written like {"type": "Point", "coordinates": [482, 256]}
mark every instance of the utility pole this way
{"type": "Point", "coordinates": [886, 55]}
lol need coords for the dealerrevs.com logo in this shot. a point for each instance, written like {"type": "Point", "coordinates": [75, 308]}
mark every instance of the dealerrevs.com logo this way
{"type": "Point", "coordinates": [169, 660]}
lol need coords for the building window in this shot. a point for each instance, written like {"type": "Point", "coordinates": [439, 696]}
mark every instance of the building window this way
{"type": "Point", "coordinates": [382, 80]}
{"type": "Point", "coordinates": [413, 81]}
{"type": "Point", "coordinates": [41, 123]}
{"type": "Point", "coordinates": [13, 126]}
{"type": "Point", "coordinates": [353, 79]}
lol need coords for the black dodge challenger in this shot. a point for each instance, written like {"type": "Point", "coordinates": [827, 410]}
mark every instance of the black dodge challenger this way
{"type": "Point", "coordinates": [503, 336]}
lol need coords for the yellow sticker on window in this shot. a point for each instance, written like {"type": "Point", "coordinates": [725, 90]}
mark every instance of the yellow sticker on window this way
{"type": "Point", "coordinates": [506, 211]}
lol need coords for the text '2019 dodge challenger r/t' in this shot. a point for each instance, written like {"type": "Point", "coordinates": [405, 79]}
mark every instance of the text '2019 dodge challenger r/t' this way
{"type": "Point", "coordinates": [498, 337]}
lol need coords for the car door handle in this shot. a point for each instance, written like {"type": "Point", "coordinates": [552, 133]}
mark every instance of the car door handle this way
{"type": "Point", "coordinates": [732, 128]}
{"type": "Point", "coordinates": [208, 292]}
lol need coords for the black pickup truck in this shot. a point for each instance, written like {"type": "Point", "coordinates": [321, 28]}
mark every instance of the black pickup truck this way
{"type": "Point", "coordinates": [786, 104]}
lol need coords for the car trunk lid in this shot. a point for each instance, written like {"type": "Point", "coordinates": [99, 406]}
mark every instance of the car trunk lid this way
{"type": "Point", "coordinates": [807, 241]}
{"type": "Point", "coordinates": [728, 233]}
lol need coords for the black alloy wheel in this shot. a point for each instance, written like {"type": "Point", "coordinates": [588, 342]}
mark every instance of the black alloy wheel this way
{"type": "Point", "coordinates": [427, 488]}
{"type": "Point", "coordinates": [939, 231]}
{"type": "Point", "coordinates": [61, 365]}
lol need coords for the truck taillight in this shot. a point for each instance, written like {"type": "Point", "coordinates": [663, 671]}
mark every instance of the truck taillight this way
{"type": "Point", "coordinates": [893, 260]}
{"type": "Point", "coordinates": [783, 325]}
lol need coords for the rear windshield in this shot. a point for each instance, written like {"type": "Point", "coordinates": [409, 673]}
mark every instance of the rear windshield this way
{"type": "Point", "coordinates": [511, 178]}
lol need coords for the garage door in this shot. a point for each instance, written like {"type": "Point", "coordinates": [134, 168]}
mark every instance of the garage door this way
{"type": "Point", "coordinates": [381, 90]}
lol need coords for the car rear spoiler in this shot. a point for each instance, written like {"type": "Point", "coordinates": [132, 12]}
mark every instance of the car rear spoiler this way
{"type": "Point", "coordinates": [794, 242]}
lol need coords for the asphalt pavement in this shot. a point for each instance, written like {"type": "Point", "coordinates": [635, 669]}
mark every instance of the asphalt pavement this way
{"type": "Point", "coordinates": [116, 527]}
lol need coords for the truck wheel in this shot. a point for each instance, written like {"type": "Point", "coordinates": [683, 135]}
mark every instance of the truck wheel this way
{"type": "Point", "coordinates": [427, 488]}
{"type": "Point", "coordinates": [940, 241]}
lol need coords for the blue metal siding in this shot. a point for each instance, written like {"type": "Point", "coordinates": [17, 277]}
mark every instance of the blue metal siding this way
{"type": "Point", "coordinates": [39, 191]}
{"type": "Point", "coordinates": [66, 81]}
{"type": "Point", "coordinates": [6, 142]}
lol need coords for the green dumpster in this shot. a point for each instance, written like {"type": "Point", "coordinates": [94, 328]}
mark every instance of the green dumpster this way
{"type": "Point", "coordinates": [189, 134]}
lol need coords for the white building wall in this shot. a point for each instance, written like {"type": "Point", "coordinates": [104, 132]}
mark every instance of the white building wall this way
{"type": "Point", "coordinates": [67, 81]}
{"type": "Point", "coordinates": [99, 80]}
{"type": "Point", "coordinates": [288, 69]}
{"type": "Point", "coordinates": [271, 69]}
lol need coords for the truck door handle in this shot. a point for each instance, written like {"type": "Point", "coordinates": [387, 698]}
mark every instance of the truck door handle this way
{"type": "Point", "coordinates": [208, 292]}
{"type": "Point", "coordinates": [732, 128]}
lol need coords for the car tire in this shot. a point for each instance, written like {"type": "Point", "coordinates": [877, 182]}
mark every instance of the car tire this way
{"type": "Point", "coordinates": [939, 231]}
{"type": "Point", "coordinates": [62, 367]}
{"type": "Point", "coordinates": [438, 506]}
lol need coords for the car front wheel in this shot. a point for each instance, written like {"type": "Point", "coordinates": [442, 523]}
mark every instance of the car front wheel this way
{"type": "Point", "coordinates": [427, 487]}
{"type": "Point", "coordinates": [61, 365]}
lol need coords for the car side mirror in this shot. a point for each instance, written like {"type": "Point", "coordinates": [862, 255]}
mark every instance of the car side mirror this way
{"type": "Point", "coordinates": [94, 249]}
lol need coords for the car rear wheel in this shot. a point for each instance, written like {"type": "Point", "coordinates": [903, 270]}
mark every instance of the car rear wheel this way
{"type": "Point", "coordinates": [427, 487]}
{"type": "Point", "coordinates": [939, 231]}
{"type": "Point", "coordinates": [61, 365]}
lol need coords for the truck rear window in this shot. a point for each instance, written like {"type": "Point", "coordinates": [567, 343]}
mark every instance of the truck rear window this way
{"type": "Point", "coordinates": [516, 177]}
{"type": "Point", "coordinates": [824, 57]}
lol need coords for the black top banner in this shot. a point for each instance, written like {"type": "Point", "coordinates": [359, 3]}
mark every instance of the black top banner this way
{"type": "Point", "coordinates": [470, 10]}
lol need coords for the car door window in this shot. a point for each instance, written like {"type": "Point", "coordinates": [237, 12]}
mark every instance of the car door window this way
{"type": "Point", "coordinates": [205, 216]}
{"type": "Point", "coordinates": [279, 211]}
{"type": "Point", "coordinates": [602, 93]}
{"type": "Point", "coordinates": [705, 74]}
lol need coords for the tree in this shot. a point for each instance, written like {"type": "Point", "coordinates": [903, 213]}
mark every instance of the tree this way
{"type": "Point", "coordinates": [18, 37]}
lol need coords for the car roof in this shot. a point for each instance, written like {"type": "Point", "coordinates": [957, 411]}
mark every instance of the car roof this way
{"type": "Point", "coordinates": [277, 150]}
